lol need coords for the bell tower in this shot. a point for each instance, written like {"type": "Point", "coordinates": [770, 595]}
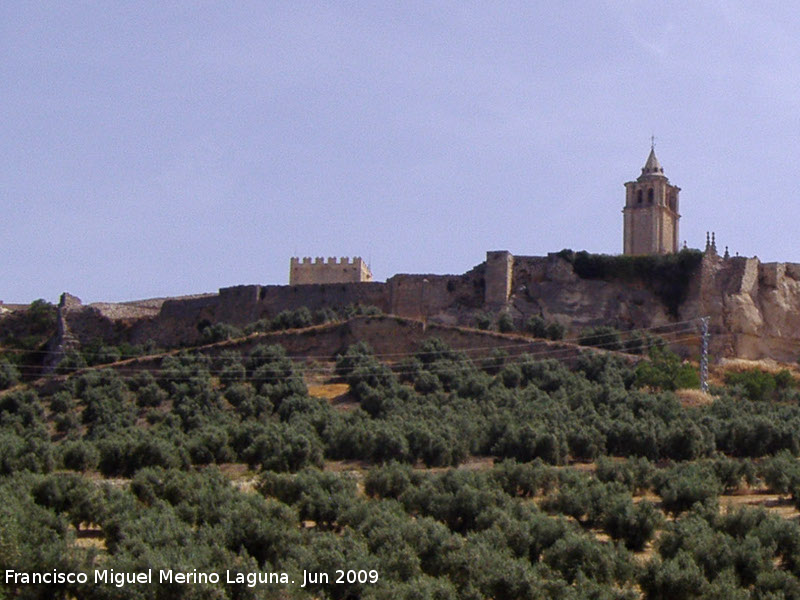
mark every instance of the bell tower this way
{"type": "Point", "coordinates": [651, 211]}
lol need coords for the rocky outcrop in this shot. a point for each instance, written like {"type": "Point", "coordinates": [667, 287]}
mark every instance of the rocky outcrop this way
{"type": "Point", "coordinates": [754, 308]}
{"type": "Point", "coordinates": [548, 286]}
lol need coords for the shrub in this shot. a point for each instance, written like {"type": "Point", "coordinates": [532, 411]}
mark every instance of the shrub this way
{"type": "Point", "coordinates": [579, 554]}
{"type": "Point", "coordinates": [292, 319]}
{"type": "Point", "coordinates": [634, 524]}
{"type": "Point", "coordinates": [79, 456]}
{"type": "Point", "coordinates": [781, 472]}
{"type": "Point", "coordinates": [667, 275]}
{"type": "Point", "coordinates": [219, 332]}
{"type": "Point", "coordinates": [683, 486]}
{"type": "Point", "coordinates": [388, 481]}
{"type": "Point", "coordinates": [677, 578]}
{"type": "Point", "coordinates": [603, 337]}
{"type": "Point", "coordinates": [505, 324]}
{"type": "Point", "coordinates": [784, 379]}
{"type": "Point", "coordinates": [665, 371]}
{"type": "Point", "coordinates": [540, 328]}
{"type": "Point", "coordinates": [41, 316]}
{"type": "Point", "coordinates": [484, 321]}
{"type": "Point", "coordinates": [757, 384]}
{"type": "Point", "coordinates": [105, 355]}
{"type": "Point", "coordinates": [71, 362]}
{"type": "Point", "coordinates": [537, 326]}
{"type": "Point", "coordinates": [9, 375]}
{"type": "Point", "coordinates": [555, 330]}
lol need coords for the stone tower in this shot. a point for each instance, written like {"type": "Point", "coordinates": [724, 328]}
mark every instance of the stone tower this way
{"type": "Point", "coordinates": [651, 211]}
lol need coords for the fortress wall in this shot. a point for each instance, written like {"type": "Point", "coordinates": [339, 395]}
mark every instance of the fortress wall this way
{"type": "Point", "coordinates": [180, 308]}
{"type": "Point", "coordinates": [750, 277]}
{"type": "Point", "coordinates": [770, 274]}
{"type": "Point", "coordinates": [277, 298]}
{"type": "Point", "coordinates": [319, 271]}
{"type": "Point", "coordinates": [439, 296]}
{"type": "Point", "coordinates": [793, 271]}
{"type": "Point", "coordinates": [385, 335]}
{"type": "Point", "coordinates": [754, 307]}
{"type": "Point", "coordinates": [117, 311]}
{"type": "Point", "coordinates": [179, 321]}
{"type": "Point", "coordinates": [238, 304]}
{"type": "Point", "coordinates": [499, 273]}
{"type": "Point", "coordinates": [87, 324]}
{"type": "Point", "coordinates": [549, 287]}
{"type": "Point", "coordinates": [528, 269]}
{"type": "Point", "coordinates": [416, 296]}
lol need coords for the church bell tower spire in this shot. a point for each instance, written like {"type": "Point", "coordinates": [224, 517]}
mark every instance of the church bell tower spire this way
{"type": "Point", "coordinates": [651, 211]}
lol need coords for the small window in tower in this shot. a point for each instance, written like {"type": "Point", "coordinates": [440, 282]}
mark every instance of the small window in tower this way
{"type": "Point", "coordinates": [639, 197]}
{"type": "Point", "coordinates": [650, 195]}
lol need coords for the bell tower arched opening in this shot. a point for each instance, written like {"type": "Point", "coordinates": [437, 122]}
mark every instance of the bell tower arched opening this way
{"type": "Point", "coordinates": [651, 226]}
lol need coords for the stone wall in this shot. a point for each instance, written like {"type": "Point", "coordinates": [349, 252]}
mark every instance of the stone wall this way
{"type": "Point", "coordinates": [499, 275]}
{"type": "Point", "coordinates": [547, 286]}
{"type": "Point", "coordinates": [306, 272]}
{"type": "Point", "coordinates": [445, 298]}
{"type": "Point", "coordinates": [386, 335]}
{"type": "Point", "coordinates": [754, 307]}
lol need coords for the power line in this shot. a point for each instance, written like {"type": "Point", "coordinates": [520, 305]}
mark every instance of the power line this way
{"type": "Point", "coordinates": [399, 369]}
{"type": "Point", "coordinates": [326, 358]}
{"type": "Point", "coordinates": [655, 330]}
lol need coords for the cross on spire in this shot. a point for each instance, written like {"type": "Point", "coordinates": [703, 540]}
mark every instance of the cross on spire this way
{"type": "Point", "coordinates": [652, 142]}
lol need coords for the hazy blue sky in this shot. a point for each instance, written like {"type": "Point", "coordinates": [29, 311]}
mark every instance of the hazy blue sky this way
{"type": "Point", "coordinates": [165, 148]}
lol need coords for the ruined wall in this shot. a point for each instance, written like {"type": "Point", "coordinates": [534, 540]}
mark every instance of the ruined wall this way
{"type": "Point", "coordinates": [754, 307]}
{"type": "Point", "coordinates": [548, 286]}
{"type": "Point", "coordinates": [276, 298]}
{"type": "Point", "coordinates": [445, 298]}
{"type": "Point", "coordinates": [499, 276]}
{"type": "Point", "coordinates": [384, 334]}
{"type": "Point", "coordinates": [181, 320]}
{"type": "Point", "coordinates": [306, 272]}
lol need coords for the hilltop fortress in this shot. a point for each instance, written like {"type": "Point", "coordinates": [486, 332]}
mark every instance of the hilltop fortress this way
{"type": "Point", "coordinates": [319, 271]}
{"type": "Point", "coordinates": [754, 307]}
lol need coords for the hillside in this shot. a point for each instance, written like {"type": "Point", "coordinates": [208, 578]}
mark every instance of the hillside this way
{"type": "Point", "coordinates": [753, 307]}
{"type": "Point", "coordinates": [441, 462]}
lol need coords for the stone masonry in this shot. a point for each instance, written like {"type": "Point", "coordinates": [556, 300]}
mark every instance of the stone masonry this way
{"type": "Point", "coordinates": [651, 212]}
{"type": "Point", "coordinates": [754, 307]}
{"type": "Point", "coordinates": [306, 272]}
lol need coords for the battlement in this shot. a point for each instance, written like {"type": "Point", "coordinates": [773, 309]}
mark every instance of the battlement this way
{"type": "Point", "coordinates": [332, 260]}
{"type": "Point", "coordinates": [332, 270]}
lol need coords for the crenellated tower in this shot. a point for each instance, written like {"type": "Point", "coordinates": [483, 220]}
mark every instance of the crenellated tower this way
{"type": "Point", "coordinates": [651, 211]}
{"type": "Point", "coordinates": [320, 271]}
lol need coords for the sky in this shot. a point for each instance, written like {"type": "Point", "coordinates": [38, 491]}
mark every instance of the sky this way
{"type": "Point", "coordinates": [152, 149]}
